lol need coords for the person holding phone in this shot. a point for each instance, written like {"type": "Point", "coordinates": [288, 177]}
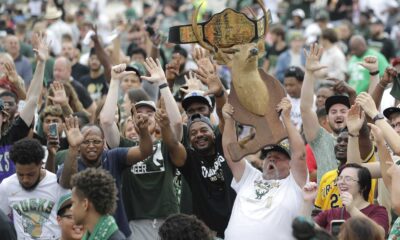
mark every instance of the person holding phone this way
{"type": "Point", "coordinates": [354, 184]}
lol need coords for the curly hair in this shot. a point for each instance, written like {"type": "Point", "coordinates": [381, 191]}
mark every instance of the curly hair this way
{"type": "Point", "coordinates": [98, 186]}
{"type": "Point", "coordinates": [27, 151]}
{"type": "Point", "coordinates": [184, 227]}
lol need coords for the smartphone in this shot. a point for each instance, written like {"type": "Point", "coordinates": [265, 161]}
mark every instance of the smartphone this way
{"type": "Point", "coordinates": [335, 226]}
{"type": "Point", "coordinates": [53, 130]}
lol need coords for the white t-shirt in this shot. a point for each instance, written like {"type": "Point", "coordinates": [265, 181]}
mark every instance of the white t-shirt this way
{"type": "Point", "coordinates": [263, 209]}
{"type": "Point", "coordinates": [34, 212]}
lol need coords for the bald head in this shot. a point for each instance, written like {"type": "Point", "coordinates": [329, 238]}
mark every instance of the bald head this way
{"type": "Point", "coordinates": [11, 45]}
{"type": "Point", "coordinates": [62, 69]}
{"type": "Point", "coordinates": [358, 46]}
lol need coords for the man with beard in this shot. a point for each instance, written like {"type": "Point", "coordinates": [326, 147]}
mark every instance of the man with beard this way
{"type": "Point", "coordinates": [267, 201]}
{"type": "Point", "coordinates": [204, 167]}
{"type": "Point", "coordinates": [322, 143]}
{"type": "Point", "coordinates": [94, 197]}
{"type": "Point", "coordinates": [31, 194]}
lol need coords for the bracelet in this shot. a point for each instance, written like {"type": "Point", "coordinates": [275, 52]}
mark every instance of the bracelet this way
{"type": "Point", "coordinates": [164, 85]}
{"type": "Point", "coordinates": [220, 94]}
{"type": "Point", "coordinates": [374, 73]}
{"type": "Point", "coordinates": [352, 135]}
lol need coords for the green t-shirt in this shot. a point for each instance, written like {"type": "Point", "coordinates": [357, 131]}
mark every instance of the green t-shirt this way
{"type": "Point", "coordinates": [395, 231]}
{"type": "Point", "coordinates": [147, 187]}
{"type": "Point", "coordinates": [359, 76]}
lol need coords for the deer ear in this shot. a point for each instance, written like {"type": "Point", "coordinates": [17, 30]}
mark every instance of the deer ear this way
{"type": "Point", "coordinates": [261, 47]}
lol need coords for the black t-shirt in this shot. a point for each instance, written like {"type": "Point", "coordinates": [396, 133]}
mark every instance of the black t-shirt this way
{"type": "Point", "coordinates": [82, 93]}
{"type": "Point", "coordinates": [15, 132]}
{"type": "Point", "coordinates": [97, 87]}
{"type": "Point", "coordinates": [79, 70]}
{"type": "Point", "coordinates": [209, 180]}
{"type": "Point", "coordinates": [384, 45]}
{"type": "Point", "coordinates": [336, 13]}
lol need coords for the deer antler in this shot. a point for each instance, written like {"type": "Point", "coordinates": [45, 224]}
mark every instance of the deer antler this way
{"type": "Point", "coordinates": [196, 31]}
{"type": "Point", "coordinates": [266, 14]}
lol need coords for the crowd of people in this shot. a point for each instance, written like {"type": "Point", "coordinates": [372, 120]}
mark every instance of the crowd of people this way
{"type": "Point", "coordinates": [109, 131]}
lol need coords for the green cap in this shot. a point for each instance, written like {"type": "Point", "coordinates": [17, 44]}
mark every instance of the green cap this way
{"type": "Point", "coordinates": [64, 201]}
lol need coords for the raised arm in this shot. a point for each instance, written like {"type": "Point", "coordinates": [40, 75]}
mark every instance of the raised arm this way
{"type": "Point", "coordinates": [75, 138]}
{"type": "Point", "coordinates": [60, 97]}
{"type": "Point", "coordinates": [298, 165]}
{"type": "Point", "coordinates": [310, 119]}
{"type": "Point", "coordinates": [176, 150]}
{"type": "Point", "coordinates": [157, 76]}
{"type": "Point", "coordinates": [35, 89]}
{"type": "Point", "coordinates": [107, 120]}
{"type": "Point", "coordinates": [394, 173]}
{"type": "Point", "coordinates": [371, 64]}
{"type": "Point", "coordinates": [53, 144]}
{"type": "Point", "coordinates": [229, 137]}
{"type": "Point", "coordinates": [310, 191]}
{"type": "Point", "coordinates": [390, 135]}
{"type": "Point", "coordinates": [207, 73]}
{"type": "Point", "coordinates": [101, 54]}
{"type": "Point", "coordinates": [385, 159]}
{"type": "Point", "coordinates": [388, 77]}
{"type": "Point", "coordinates": [15, 79]}
{"type": "Point", "coordinates": [145, 149]}
{"type": "Point", "coordinates": [355, 120]}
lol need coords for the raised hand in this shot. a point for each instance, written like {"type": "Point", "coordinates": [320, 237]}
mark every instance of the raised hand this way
{"type": "Point", "coordinates": [140, 121]}
{"type": "Point", "coordinates": [355, 119]}
{"type": "Point", "coordinates": [59, 95]}
{"type": "Point", "coordinates": [42, 48]}
{"type": "Point", "coordinates": [377, 134]}
{"type": "Point", "coordinates": [118, 72]}
{"type": "Point", "coordinates": [312, 58]}
{"type": "Point", "coordinates": [389, 76]}
{"type": "Point", "coordinates": [202, 58]}
{"type": "Point", "coordinates": [367, 103]}
{"type": "Point", "coordinates": [156, 72]}
{"type": "Point", "coordinates": [161, 118]}
{"type": "Point", "coordinates": [310, 191]}
{"type": "Point", "coordinates": [370, 63]}
{"type": "Point", "coordinates": [53, 144]}
{"type": "Point", "coordinates": [172, 69]}
{"type": "Point", "coordinates": [210, 78]}
{"type": "Point", "coordinates": [74, 135]}
{"type": "Point", "coordinates": [10, 71]}
{"type": "Point", "coordinates": [284, 107]}
{"type": "Point", "coordinates": [340, 86]}
{"type": "Point", "coordinates": [227, 111]}
{"type": "Point", "coordinates": [192, 83]}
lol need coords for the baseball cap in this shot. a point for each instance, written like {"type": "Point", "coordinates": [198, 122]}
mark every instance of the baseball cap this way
{"type": "Point", "coordinates": [198, 118]}
{"type": "Point", "coordinates": [332, 100]}
{"type": "Point", "coordinates": [149, 104]}
{"type": "Point", "coordinates": [390, 110]}
{"type": "Point", "coordinates": [299, 13]}
{"type": "Point", "coordinates": [196, 96]}
{"type": "Point", "coordinates": [64, 202]}
{"type": "Point", "coordinates": [282, 147]}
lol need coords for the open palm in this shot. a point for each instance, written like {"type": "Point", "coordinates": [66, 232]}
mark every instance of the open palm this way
{"type": "Point", "coordinates": [74, 135]}
{"type": "Point", "coordinates": [157, 74]}
{"type": "Point", "coordinates": [312, 58]}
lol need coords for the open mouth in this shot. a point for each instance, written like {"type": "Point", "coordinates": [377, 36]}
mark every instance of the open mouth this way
{"type": "Point", "coordinates": [202, 142]}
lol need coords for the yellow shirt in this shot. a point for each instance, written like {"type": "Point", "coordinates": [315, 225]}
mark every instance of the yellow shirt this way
{"type": "Point", "coordinates": [328, 193]}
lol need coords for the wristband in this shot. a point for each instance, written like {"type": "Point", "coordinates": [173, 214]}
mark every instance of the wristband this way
{"type": "Point", "coordinates": [352, 135]}
{"type": "Point", "coordinates": [220, 94]}
{"type": "Point", "coordinates": [374, 73]}
{"type": "Point", "coordinates": [380, 85]}
{"type": "Point", "coordinates": [164, 85]}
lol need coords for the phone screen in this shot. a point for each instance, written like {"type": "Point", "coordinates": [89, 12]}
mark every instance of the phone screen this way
{"type": "Point", "coordinates": [53, 130]}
